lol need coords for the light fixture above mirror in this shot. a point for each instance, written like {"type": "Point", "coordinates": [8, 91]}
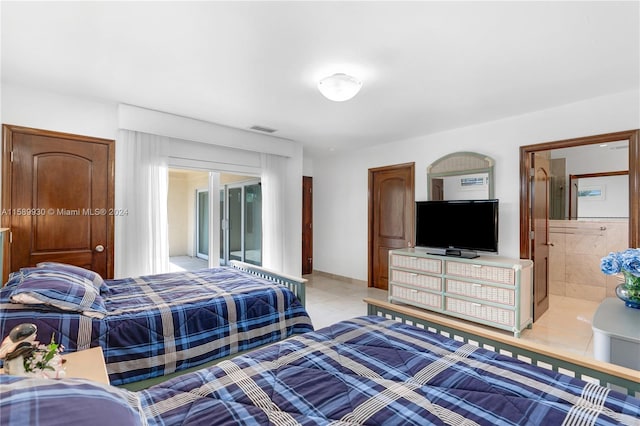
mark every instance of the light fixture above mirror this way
{"type": "Point", "coordinates": [339, 87]}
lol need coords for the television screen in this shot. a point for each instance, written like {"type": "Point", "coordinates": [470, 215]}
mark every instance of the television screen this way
{"type": "Point", "coordinates": [460, 224]}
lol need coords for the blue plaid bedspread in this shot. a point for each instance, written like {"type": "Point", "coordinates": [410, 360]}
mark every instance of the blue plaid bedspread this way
{"type": "Point", "coordinates": [379, 372]}
{"type": "Point", "coordinates": [365, 371]}
{"type": "Point", "coordinates": [159, 324]}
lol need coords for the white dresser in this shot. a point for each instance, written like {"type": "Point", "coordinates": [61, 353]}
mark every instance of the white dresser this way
{"type": "Point", "coordinates": [491, 290]}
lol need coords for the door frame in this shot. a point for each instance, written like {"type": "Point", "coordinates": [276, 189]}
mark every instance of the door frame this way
{"type": "Point", "coordinates": [633, 138]}
{"type": "Point", "coordinates": [371, 209]}
{"type": "Point", "coordinates": [7, 179]}
{"type": "Point", "coordinates": [225, 220]}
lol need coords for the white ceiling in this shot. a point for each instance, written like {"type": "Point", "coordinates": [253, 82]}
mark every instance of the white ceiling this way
{"type": "Point", "coordinates": [425, 66]}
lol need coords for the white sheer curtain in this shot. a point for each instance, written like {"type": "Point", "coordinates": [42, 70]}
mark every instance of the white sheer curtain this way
{"type": "Point", "coordinates": [141, 237]}
{"type": "Point", "coordinates": [273, 214]}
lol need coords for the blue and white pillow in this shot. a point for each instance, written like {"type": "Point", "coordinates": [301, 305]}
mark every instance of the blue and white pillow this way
{"type": "Point", "coordinates": [94, 277]}
{"type": "Point", "coordinates": [58, 289]}
{"type": "Point", "coordinates": [34, 401]}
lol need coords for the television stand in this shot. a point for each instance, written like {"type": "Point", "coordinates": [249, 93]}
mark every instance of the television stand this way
{"type": "Point", "coordinates": [490, 290]}
{"type": "Point", "coordinates": [464, 254]}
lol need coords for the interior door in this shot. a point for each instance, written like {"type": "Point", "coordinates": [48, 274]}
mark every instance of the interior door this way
{"type": "Point", "coordinates": [307, 225]}
{"type": "Point", "coordinates": [58, 198]}
{"type": "Point", "coordinates": [540, 230]}
{"type": "Point", "coordinates": [437, 189]}
{"type": "Point", "coordinates": [391, 217]}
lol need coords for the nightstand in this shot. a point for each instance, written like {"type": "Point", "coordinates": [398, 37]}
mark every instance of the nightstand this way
{"type": "Point", "coordinates": [87, 364]}
{"type": "Point", "coordinates": [616, 336]}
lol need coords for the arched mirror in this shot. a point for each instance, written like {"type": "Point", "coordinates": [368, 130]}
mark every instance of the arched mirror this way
{"type": "Point", "coordinates": [460, 176]}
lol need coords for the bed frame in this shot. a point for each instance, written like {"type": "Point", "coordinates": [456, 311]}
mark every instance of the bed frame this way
{"type": "Point", "coordinates": [622, 379]}
{"type": "Point", "coordinates": [295, 284]}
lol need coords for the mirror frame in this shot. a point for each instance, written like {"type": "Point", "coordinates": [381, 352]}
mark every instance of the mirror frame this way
{"type": "Point", "coordinates": [526, 151]}
{"type": "Point", "coordinates": [459, 164]}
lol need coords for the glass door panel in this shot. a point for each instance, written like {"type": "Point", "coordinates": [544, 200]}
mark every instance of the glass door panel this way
{"type": "Point", "coordinates": [253, 224]}
{"type": "Point", "coordinates": [202, 223]}
{"type": "Point", "coordinates": [223, 243]}
{"type": "Point", "coordinates": [235, 223]}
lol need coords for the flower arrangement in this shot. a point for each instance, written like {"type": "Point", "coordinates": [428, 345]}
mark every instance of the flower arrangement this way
{"type": "Point", "coordinates": [628, 263]}
{"type": "Point", "coordinates": [44, 357]}
{"type": "Point", "coordinates": [30, 358]}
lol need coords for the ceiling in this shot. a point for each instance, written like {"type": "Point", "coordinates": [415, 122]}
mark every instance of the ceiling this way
{"type": "Point", "coordinates": [426, 66]}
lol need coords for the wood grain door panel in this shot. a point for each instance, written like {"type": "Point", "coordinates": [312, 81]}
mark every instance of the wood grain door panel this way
{"type": "Point", "coordinates": [307, 225]}
{"type": "Point", "coordinates": [391, 217]}
{"type": "Point", "coordinates": [540, 228]}
{"type": "Point", "coordinates": [65, 185]}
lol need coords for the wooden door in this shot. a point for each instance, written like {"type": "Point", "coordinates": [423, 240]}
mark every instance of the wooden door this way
{"type": "Point", "coordinates": [57, 191]}
{"type": "Point", "coordinates": [540, 228]}
{"type": "Point", "coordinates": [307, 225]}
{"type": "Point", "coordinates": [391, 217]}
{"type": "Point", "coordinates": [437, 189]}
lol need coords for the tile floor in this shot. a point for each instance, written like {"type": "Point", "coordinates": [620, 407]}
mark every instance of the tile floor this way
{"type": "Point", "coordinates": [186, 263]}
{"type": "Point", "coordinates": [566, 325]}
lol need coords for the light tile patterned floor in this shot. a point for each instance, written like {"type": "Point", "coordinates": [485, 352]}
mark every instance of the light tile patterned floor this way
{"type": "Point", "coordinates": [186, 263]}
{"type": "Point", "coordinates": [566, 325]}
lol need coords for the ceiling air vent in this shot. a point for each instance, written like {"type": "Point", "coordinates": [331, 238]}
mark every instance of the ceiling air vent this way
{"type": "Point", "coordinates": [263, 129]}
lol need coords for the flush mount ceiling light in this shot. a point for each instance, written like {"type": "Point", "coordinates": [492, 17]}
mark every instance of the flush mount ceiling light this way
{"type": "Point", "coordinates": [339, 87]}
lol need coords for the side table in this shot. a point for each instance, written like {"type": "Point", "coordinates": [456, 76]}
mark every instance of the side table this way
{"type": "Point", "coordinates": [85, 364]}
{"type": "Point", "coordinates": [616, 334]}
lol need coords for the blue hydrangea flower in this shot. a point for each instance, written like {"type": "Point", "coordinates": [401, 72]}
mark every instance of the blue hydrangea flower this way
{"type": "Point", "coordinates": [611, 264]}
{"type": "Point", "coordinates": [631, 261]}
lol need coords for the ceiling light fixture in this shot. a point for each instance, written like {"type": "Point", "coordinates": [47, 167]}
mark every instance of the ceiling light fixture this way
{"type": "Point", "coordinates": [339, 87]}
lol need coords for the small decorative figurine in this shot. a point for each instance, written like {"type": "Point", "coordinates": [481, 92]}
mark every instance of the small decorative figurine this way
{"type": "Point", "coordinates": [24, 356]}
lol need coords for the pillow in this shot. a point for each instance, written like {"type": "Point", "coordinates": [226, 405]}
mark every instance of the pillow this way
{"type": "Point", "coordinates": [58, 289]}
{"type": "Point", "coordinates": [92, 276]}
{"type": "Point", "coordinates": [27, 400]}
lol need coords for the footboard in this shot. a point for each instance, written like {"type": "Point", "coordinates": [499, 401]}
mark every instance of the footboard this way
{"type": "Point", "coordinates": [621, 379]}
{"type": "Point", "coordinates": [295, 284]}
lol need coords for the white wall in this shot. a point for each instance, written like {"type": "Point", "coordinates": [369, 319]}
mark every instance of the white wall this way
{"type": "Point", "coordinates": [614, 201]}
{"type": "Point", "coordinates": [28, 107]}
{"type": "Point", "coordinates": [35, 108]}
{"type": "Point", "coordinates": [340, 181]}
{"type": "Point", "coordinates": [177, 214]}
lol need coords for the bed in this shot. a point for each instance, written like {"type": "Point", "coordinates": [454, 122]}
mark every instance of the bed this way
{"type": "Point", "coordinates": [368, 370]}
{"type": "Point", "coordinates": [156, 325]}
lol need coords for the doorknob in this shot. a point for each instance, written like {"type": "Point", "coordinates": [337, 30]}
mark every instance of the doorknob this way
{"type": "Point", "coordinates": [99, 248]}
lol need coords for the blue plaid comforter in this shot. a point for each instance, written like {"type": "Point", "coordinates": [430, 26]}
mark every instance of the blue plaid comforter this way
{"type": "Point", "coordinates": [159, 324]}
{"type": "Point", "coordinates": [375, 371]}
{"type": "Point", "coordinates": [363, 371]}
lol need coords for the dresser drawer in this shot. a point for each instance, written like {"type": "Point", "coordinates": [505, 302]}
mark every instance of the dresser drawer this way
{"type": "Point", "coordinates": [419, 280]}
{"type": "Point", "coordinates": [480, 311]}
{"type": "Point", "coordinates": [481, 291]}
{"type": "Point", "coordinates": [416, 296]}
{"type": "Point", "coordinates": [418, 263]}
{"type": "Point", "coordinates": [494, 274]}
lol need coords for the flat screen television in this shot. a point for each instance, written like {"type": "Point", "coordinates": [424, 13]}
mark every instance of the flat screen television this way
{"type": "Point", "coordinates": [457, 227]}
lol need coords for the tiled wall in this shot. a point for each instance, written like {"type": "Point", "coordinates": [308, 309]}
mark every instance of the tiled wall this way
{"type": "Point", "coordinates": [574, 258]}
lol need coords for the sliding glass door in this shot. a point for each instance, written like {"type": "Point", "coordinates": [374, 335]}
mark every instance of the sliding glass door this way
{"type": "Point", "coordinates": [202, 224]}
{"type": "Point", "coordinates": [253, 224]}
{"type": "Point", "coordinates": [241, 223]}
